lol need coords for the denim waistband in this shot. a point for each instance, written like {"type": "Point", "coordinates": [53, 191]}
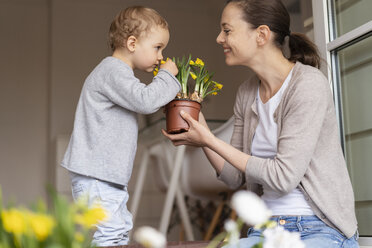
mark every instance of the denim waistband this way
{"type": "Point", "coordinates": [306, 225]}
{"type": "Point", "coordinates": [305, 221]}
{"type": "Point", "coordinates": [295, 218]}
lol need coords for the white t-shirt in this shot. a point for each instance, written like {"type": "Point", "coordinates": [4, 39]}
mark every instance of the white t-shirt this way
{"type": "Point", "coordinates": [264, 145]}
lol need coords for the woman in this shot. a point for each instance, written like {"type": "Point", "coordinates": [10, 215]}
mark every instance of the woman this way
{"type": "Point", "coordinates": [285, 145]}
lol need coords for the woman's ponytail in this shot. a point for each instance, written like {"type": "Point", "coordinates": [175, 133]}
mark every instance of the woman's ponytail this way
{"type": "Point", "coordinates": [303, 50]}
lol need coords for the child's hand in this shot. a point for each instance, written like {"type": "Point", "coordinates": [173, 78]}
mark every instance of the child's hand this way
{"type": "Point", "coordinates": [170, 66]}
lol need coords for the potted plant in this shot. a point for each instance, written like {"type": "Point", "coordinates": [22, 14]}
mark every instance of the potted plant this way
{"type": "Point", "coordinates": [188, 101]}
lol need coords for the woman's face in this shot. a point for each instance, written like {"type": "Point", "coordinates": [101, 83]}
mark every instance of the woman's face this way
{"type": "Point", "coordinates": [237, 37]}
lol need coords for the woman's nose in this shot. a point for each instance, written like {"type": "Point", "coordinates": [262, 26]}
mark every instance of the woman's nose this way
{"type": "Point", "coordinates": [219, 38]}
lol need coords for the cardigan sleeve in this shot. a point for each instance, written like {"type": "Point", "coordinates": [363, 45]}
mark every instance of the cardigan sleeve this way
{"type": "Point", "coordinates": [303, 115]}
{"type": "Point", "coordinates": [230, 175]}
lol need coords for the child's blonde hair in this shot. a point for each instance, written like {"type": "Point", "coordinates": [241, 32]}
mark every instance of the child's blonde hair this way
{"type": "Point", "coordinates": [133, 21]}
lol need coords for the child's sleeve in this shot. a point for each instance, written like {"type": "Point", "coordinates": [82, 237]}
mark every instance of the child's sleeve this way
{"type": "Point", "coordinates": [125, 90]}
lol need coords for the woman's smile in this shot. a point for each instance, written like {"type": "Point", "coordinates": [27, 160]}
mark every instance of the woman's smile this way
{"type": "Point", "coordinates": [226, 50]}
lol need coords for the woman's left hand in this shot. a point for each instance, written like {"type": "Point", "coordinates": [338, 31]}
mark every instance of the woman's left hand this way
{"type": "Point", "coordinates": [197, 135]}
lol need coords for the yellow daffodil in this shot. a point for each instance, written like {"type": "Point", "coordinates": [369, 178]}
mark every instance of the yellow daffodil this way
{"type": "Point", "coordinates": [195, 69]}
{"type": "Point", "coordinates": [199, 62]}
{"type": "Point", "coordinates": [42, 225]}
{"type": "Point", "coordinates": [216, 88]}
{"type": "Point", "coordinates": [193, 75]}
{"type": "Point", "coordinates": [155, 71]}
{"type": "Point", "coordinates": [162, 62]}
{"type": "Point", "coordinates": [217, 85]}
{"type": "Point", "coordinates": [14, 221]}
{"type": "Point", "coordinates": [91, 216]}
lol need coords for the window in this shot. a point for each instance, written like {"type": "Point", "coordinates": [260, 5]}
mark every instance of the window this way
{"type": "Point", "coordinates": [350, 14]}
{"type": "Point", "coordinates": [346, 29]}
{"type": "Point", "coordinates": [355, 63]}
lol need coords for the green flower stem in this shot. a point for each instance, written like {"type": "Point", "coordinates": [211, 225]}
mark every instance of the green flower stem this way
{"type": "Point", "coordinates": [203, 83]}
{"type": "Point", "coordinates": [217, 240]}
{"type": "Point", "coordinates": [202, 74]}
{"type": "Point", "coordinates": [205, 88]}
{"type": "Point", "coordinates": [197, 81]}
{"type": "Point", "coordinates": [183, 73]}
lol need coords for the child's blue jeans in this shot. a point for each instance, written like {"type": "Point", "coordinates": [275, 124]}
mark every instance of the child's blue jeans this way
{"type": "Point", "coordinates": [114, 231]}
{"type": "Point", "coordinates": [314, 233]}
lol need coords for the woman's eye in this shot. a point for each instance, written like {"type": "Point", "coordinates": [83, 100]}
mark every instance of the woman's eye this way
{"type": "Point", "coordinates": [227, 31]}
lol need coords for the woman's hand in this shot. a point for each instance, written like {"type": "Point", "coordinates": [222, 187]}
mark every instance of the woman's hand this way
{"type": "Point", "coordinates": [216, 150]}
{"type": "Point", "coordinates": [202, 120]}
{"type": "Point", "coordinates": [197, 135]}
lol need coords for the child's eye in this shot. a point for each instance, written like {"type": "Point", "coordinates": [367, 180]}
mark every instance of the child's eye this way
{"type": "Point", "coordinates": [158, 47]}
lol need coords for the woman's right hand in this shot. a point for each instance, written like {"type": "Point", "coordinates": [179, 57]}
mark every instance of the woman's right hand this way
{"type": "Point", "coordinates": [217, 151]}
{"type": "Point", "coordinates": [197, 135]}
{"type": "Point", "coordinates": [202, 120]}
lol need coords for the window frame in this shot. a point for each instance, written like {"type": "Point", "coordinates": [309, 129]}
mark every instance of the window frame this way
{"type": "Point", "coordinates": [329, 45]}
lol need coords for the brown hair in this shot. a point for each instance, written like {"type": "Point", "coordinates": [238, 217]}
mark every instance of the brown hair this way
{"type": "Point", "coordinates": [273, 14]}
{"type": "Point", "coordinates": [133, 21]}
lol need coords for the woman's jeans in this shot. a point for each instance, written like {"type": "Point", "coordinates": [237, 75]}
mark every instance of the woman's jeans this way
{"type": "Point", "coordinates": [114, 230]}
{"type": "Point", "coordinates": [314, 233]}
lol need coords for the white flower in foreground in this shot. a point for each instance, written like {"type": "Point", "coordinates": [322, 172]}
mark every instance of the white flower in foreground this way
{"type": "Point", "coordinates": [233, 232]}
{"type": "Point", "coordinates": [279, 238]}
{"type": "Point", "coordinates": [149, 237]}
{"type": "Point", "coordinates": [250, 208]}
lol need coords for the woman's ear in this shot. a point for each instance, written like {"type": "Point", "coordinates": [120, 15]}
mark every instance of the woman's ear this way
{"type": "Point", "coordinates": [263, 34]}
{"type": "Point", "coordinates": [131, 43]}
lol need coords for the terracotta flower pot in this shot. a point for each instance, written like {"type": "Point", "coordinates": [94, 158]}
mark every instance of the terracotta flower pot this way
{"type": "Point", "coordinates": [175, 123]}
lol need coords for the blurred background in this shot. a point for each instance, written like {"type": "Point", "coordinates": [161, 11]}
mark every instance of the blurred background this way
{"type": "Point", "coordinates": [48, 48]}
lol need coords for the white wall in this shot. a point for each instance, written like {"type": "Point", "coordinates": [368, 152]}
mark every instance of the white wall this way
{"type": "Point", "coordinates": [23, 98]}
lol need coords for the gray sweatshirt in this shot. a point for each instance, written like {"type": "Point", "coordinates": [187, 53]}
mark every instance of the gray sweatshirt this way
{"type": "Point", "coordinates": [104, 139]}
{"type": "Point", "coordinates": [309, 153]}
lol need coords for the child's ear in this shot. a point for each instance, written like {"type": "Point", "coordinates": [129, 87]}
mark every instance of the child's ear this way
{"type": "Point", "coordinates": [131, 43]}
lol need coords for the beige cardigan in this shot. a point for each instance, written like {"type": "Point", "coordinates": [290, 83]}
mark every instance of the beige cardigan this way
{"type": "Point", "coordinates": [309, 153]}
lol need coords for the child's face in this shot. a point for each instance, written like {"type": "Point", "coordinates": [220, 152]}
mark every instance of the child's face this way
{"type": "Point", "coordinates": [237, 36]}
{"type": "Point", "coordinates": [149, 49]}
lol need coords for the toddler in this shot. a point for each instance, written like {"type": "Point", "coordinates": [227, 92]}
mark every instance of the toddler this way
{"type": "Point", "coordinates": [103, 143]}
